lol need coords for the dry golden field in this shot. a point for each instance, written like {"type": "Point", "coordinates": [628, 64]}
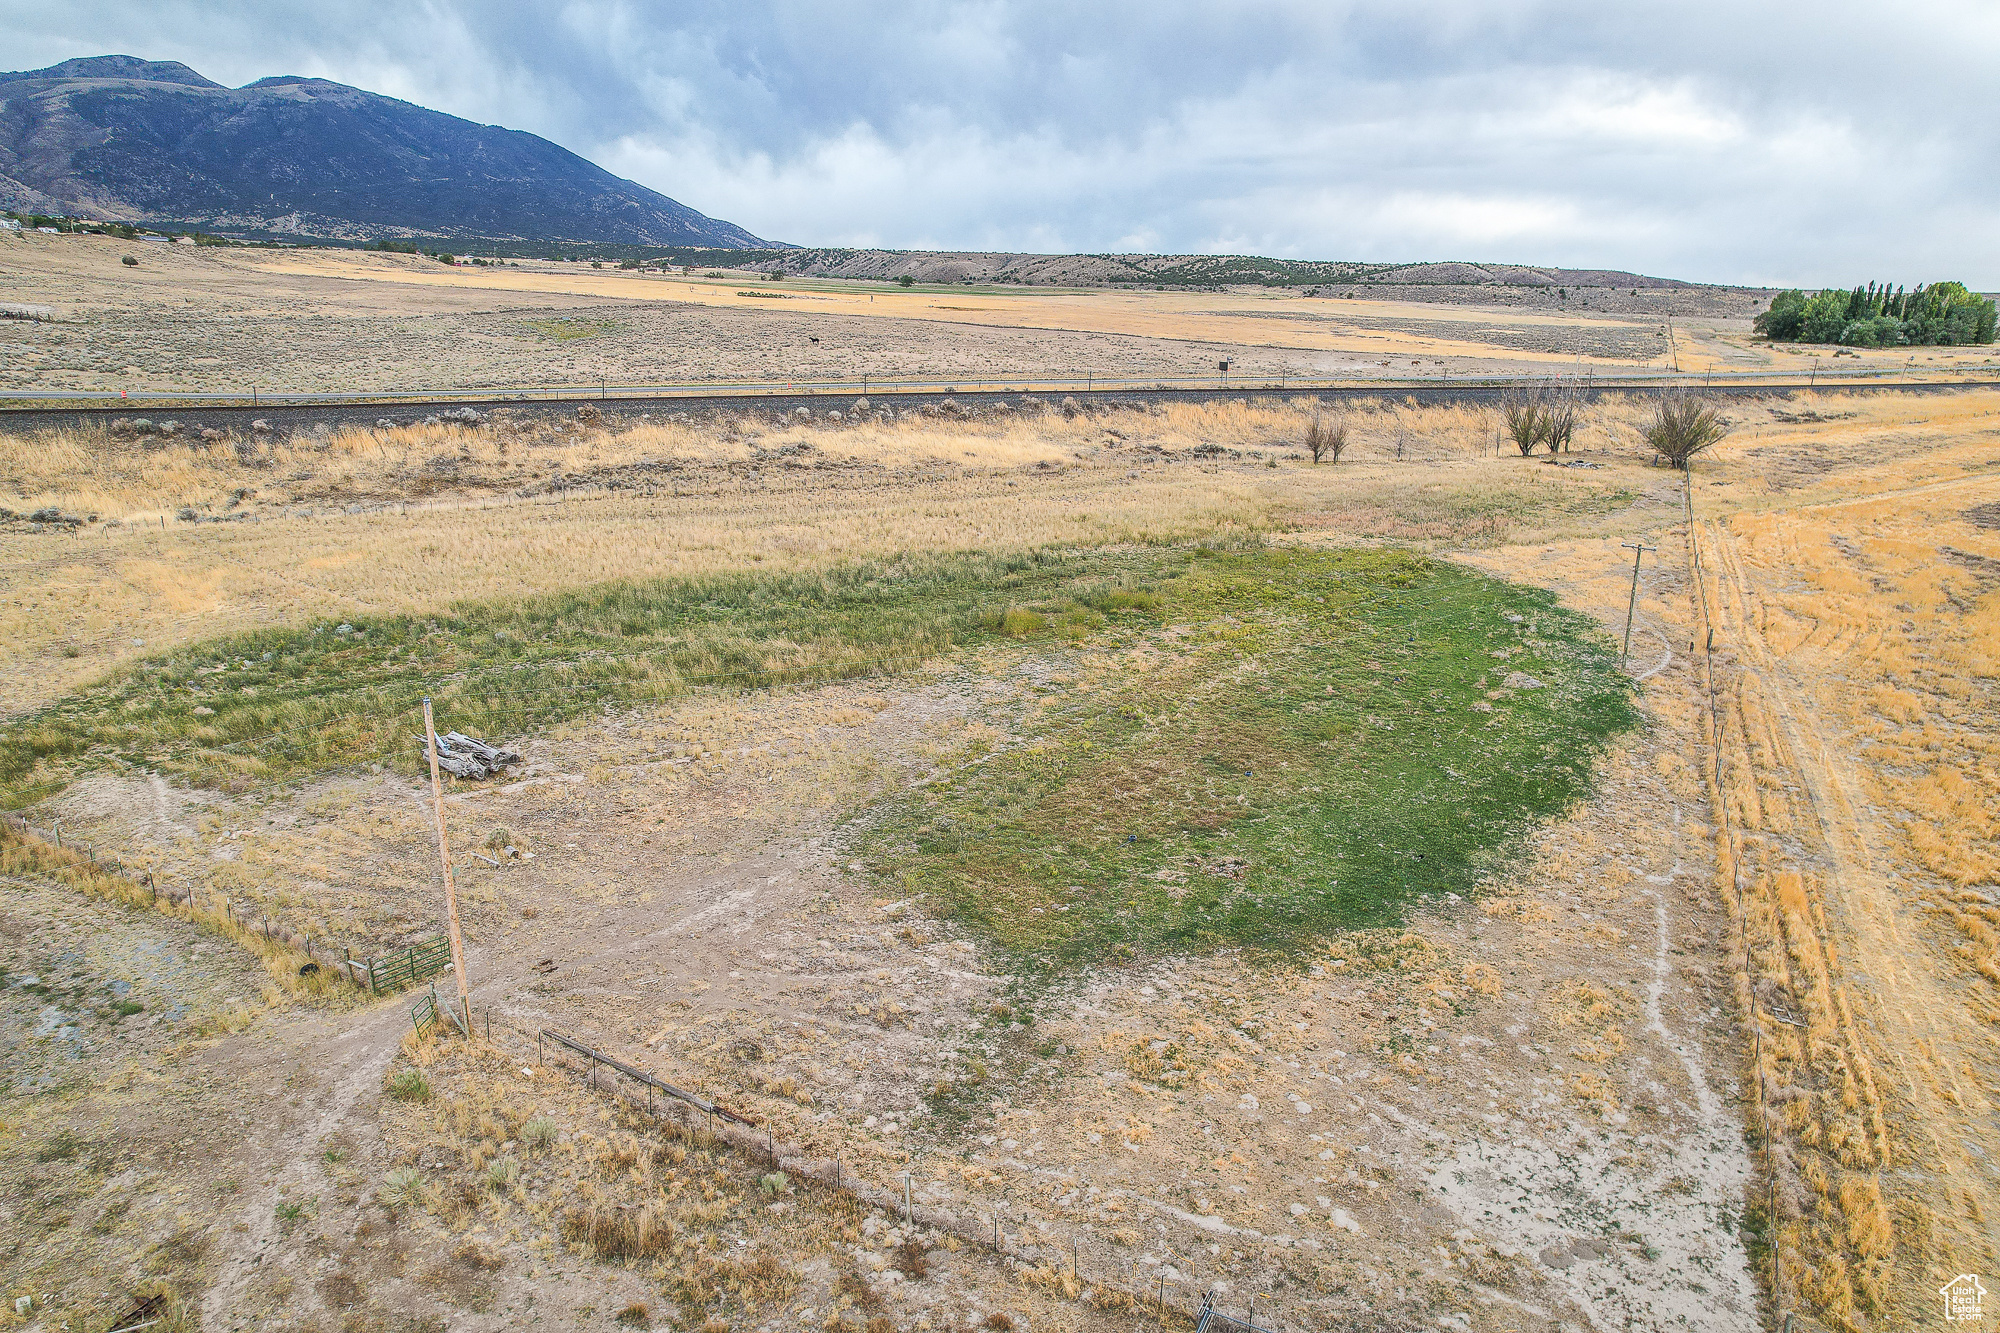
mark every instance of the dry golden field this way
{"type": "Point", "coordinates": [234, 320]}
{"type": "Point", "coordinates": [1538, 1108]}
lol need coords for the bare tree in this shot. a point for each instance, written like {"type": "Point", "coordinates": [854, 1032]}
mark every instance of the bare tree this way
{"type": "Point", "coordinates": [1683, 425]}
{"type": "Point", "coordinates": [1524, 414]}
{"type": "Point", "coordinates": [1559, 418]}
{"type": "Point", "coordinates": [1324, 440]}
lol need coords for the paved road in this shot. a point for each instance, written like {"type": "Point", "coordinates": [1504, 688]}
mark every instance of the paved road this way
{"type": "Point", "coordinates": [363, 411]}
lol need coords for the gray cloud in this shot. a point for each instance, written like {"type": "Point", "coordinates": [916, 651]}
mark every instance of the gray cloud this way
{"type": "Point", "coordinates": [1733, 142]}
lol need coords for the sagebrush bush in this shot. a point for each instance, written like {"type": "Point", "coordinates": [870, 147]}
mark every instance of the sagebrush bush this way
{"type": "Point", "coordinates": [539, 1133]}
{"type": "Point", "coordinates": [1682, 426]}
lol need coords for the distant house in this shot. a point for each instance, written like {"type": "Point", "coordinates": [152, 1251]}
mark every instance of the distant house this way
{"type": "Point", "coordinates": [183, 240]}
{"type": "Point", "coordinates": [50, 231]}
{"type": "Point", "coordinates": [156, 240]}
{"type": "Point", "coordinates": [10, 224]}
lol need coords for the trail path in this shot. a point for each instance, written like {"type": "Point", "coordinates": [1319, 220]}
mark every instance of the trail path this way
{"type": "Point", "coordinates": [1899, 1000]}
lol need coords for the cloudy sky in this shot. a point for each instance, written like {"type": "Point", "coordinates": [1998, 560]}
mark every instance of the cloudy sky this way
{"type": "Point", "coordinates": [1739, 142]}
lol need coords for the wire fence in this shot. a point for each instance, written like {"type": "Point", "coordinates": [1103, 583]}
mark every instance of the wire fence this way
{"type": "Point", "coordinates": [703, 1119]}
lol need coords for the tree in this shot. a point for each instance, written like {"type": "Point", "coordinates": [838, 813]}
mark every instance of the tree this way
{"type": "Point", "coordinates": [1559, 418]}
{"type": "Point", "coordinates": [1943, 314]}
{"type": "Point", "coordinates": [1782, 321]}
{"type": "Point", "coordinates": [1823, 318]}
{"type": "Point", "coordinates": [907, 280]}
{"type": "Point", "coordinates": [1525, 416]}
{"type": "Point", "coordinates": [1324, 440]}
{"type": "Point", "coordinates": [1682, 426]}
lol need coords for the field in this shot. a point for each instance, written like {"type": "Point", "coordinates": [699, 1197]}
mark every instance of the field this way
{"type": "Point", "coordinates": [1181, 867]}
{"type": "Point", "coordinates": [331, 321]}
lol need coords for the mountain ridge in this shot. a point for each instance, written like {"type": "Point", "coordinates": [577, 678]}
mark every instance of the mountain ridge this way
{"type": "Point", "coordinates": [156, 142]}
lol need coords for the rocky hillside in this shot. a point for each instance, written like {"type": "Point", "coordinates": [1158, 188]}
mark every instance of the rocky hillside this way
{"type": "Point", "coordinates": [115, 137]}
{"type": "Point", "coordinates": [1184, 270]}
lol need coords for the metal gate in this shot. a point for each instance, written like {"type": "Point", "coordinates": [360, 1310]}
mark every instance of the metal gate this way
{"type": "Point", "coordinates": [1212, 1320]}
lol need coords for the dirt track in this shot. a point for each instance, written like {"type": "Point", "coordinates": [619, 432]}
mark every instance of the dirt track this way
{"type": "Point", "coordinates": [1856, 680]}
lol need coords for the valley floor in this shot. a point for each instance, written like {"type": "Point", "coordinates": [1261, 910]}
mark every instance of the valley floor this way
{"type": "Point", "coordinates": [1534, 1107]}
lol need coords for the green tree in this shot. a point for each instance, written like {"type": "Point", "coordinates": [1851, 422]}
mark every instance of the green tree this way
{"type": "Point", "coordinates": [1873, 331]}
{"type": "Point", "coordinates": [1823, 318]}
{"type": "Point", "coordinates": [1781, 323]}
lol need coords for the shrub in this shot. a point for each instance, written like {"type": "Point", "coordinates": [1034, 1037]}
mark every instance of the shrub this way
{"type": "Point", "coordinates": [502, 1172]}
{"type": "Point", "coordinates": [403, 1188]}
{"type": "Point", "coordinates": [774, 1184]}
{"type": "Point", "coordinates": [1525, 417]}
{"type": "Point", "coordinates": [1683, 425]}
{"type": "Point", "coordinates": [1326, 440]}
{"type": "Point", "coordinates": [539, 1133]}
{"type": "Point", "coordinates": [409, 1085]}
{"type": "Point", "coordinates": [1559, 420]}
{"type": "Point", "coordinates": [129, 262]}
{"type": "Point", "coordinates": [635, 1315]}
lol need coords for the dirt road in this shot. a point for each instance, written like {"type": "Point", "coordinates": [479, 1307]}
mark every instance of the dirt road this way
{"type": "Point", "coordinates": [1854, 688]}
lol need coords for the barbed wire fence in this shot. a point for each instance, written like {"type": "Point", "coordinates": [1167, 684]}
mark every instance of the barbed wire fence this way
{"type": "Point", "coordinates": [1171, 1300]}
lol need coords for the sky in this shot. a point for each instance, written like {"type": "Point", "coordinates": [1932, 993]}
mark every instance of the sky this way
{"type": "Point", "coordinates": [1746, 142]}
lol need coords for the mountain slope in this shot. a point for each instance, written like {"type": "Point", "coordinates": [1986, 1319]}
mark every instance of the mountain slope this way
{"type": "Point", "coordinates": [144, 141]}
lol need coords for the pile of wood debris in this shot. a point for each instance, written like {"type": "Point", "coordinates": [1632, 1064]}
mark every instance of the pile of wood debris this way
{"type": "Point", "coordinates": [468, 757]}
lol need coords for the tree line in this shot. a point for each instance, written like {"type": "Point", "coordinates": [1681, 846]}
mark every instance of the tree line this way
{"type": "Point", "coordinates": [1940, 314]}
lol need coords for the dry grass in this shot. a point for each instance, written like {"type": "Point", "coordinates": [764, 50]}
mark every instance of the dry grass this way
{"type": "Point", "coordinates": [1862, 763]}
{"type": "Point", "coordinates": [283, 960]}
{"type": "Point", "coordinates": [693, 500]}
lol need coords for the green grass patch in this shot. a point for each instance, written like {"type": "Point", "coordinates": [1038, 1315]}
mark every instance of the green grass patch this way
{"type": "Point", "coordinates": [1287, 744]}
{"type": "Point", "coordinates": [1311, 742]}
{"type": "Point", "coordinates": [283, 703]}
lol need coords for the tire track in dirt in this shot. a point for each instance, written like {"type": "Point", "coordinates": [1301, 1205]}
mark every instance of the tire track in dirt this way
{"type": "Point", "coordinates": [1807, 830]}
{"type": "Point", "coordinates": [361, 1053]}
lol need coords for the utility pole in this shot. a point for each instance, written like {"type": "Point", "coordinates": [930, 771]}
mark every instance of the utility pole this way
{"type": "Point", "coordinates": [1631, 605]}
{"type": "Point", "coordinates": [444, 862]}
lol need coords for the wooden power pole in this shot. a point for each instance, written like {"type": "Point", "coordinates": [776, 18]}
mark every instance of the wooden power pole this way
{"type": "Point", "coordinates": [1631, 605]}
{"type": "Point", "coordinates": [444, 862]}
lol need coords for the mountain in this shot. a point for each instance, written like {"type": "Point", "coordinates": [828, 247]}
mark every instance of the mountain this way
{"type": "Point", "coordinates": [119, 138]}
